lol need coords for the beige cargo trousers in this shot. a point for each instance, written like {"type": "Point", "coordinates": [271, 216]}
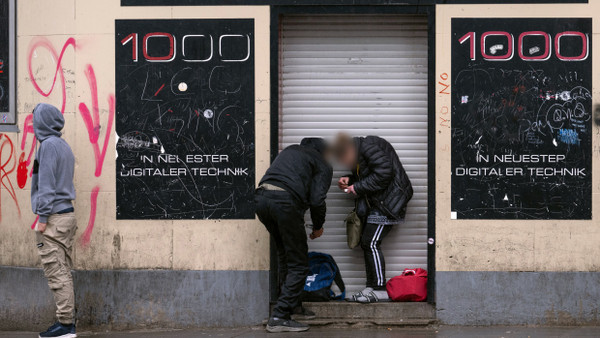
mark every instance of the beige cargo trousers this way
{"type": "Point", "coordinates": [55, 246]}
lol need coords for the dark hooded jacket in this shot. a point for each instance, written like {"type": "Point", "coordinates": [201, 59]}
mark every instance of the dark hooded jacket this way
{"type": "Point", "coordinates": [380, 178]}
{"type": "Point", "coordinates": [303, 171]}
{"type": "Point", "coordinates": [52, 188]}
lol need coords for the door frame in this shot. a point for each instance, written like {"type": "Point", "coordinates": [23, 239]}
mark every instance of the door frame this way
{"type": "Point", "coordinates": [277, 12]}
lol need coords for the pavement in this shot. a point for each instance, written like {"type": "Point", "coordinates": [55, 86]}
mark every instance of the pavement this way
{"type": "Point", "coordinates": [324, 332]}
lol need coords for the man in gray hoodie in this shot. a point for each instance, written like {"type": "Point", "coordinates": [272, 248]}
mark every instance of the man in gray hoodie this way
{"type": "Point", "coordinates": [52, 193]}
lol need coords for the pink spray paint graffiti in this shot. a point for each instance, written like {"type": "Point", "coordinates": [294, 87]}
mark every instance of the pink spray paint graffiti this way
{"type": "Point", "coordinates": [42, 43]}
{"type": "Point", "coordinates": [84, 240]}
{"type": "Point", "coordinates": [90, 118]}
{"type": "Point", "coordinates": [92, 124]}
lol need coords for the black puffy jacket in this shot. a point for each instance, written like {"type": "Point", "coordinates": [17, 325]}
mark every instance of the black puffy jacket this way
{"type": "Point", "coordinates": [380, 178]}
{"type": "Point", "coordinates": [303, 172]}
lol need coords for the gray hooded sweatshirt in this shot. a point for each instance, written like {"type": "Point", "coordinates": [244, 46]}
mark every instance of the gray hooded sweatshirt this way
{"type": "Point", "coordinates": [52, 188]}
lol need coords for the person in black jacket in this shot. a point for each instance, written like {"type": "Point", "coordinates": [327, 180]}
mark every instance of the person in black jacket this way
{"type": "Point", "coordinates": [383, 190]}
{"type": "Point", "coordinates": [297, 180]}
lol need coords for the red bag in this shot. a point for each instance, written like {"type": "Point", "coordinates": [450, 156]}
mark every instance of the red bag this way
{"type": "Point", "coordinates": [411, 286]}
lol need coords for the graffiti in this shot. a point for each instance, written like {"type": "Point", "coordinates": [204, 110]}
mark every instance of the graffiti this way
{"type": "Point", "coordinates": [41, 43]}
{"type": "Point", "coordinates": [6, 168]}
{"type": "Point", "coordinates": [444, 111]}
{"type": "Point", "coordinates": [27, 129]}
{"type": "Point", "coordinates": [92, 122]}
{"type": "Point", "coordinates": [90, 113]}
{"type": "Point", "coordinates": [444, 84]}
{"type": "Point", "coordinates": [84, 240]}
{"type": "Point", "coordinates": [46, 44]}
{"type": "Point", "coordinates": [568, 136]}
{"type": "Point", "coordinates": [22, 172]}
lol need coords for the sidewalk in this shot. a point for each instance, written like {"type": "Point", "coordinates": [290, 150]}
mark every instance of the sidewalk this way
{"type": "Point", "coordinates": [444, 331]}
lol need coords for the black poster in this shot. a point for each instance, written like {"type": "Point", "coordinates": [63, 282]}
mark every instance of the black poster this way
{"type": "Point", "coordinates": [185, 119]}
{"type": "Point", "coordinates": [521, 118]}
{"type": "Point", "coordinates": [5, 61]}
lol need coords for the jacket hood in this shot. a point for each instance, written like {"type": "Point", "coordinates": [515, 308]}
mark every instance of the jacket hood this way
{"type": "Point", "coordinates": [48, 121]}
{"type": "Point", "coordinates": [315, 143]}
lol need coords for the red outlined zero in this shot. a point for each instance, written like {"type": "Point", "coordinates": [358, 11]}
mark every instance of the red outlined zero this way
{"type": "Point", "coordinates": [172, 46]}
{"type": "Point", "coordinates": [510, 50]}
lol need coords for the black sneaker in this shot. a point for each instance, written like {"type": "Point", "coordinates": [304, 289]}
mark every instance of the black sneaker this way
{"type": "Point", "coordinates": [302, 313]}
{"type": "Point", "coordinates": [59, 330]}
{"type": "Point", "coordinates": [285, 325]}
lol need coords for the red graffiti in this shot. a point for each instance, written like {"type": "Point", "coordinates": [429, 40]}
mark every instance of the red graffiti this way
{"type": "Point", "coordinates": [28, 129]}
{"type": "Point", "coordinates": [91, 119]}
{"type": "Point", "coordinates": [22, 172]}
{"type": "Point", "coordinates": [59, 72]}
{"type": "Point", "coordinates": [159, 90]}
{"type": "Point", "coordinates": [5, 170]}
{"type": "Point", "coordinates": [92, 122]}
{"type": "Point", "coordinates": [87, 234]}
{"type": "Point", "coordinates": [34, 222]}
{"type": "Point", "coordinates": [45, 43]}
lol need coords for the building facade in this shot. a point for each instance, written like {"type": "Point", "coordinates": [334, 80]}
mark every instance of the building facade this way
{"type": "Point", "coordinates": [174, 110]}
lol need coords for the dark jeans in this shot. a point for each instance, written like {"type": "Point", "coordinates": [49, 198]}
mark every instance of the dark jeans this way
{"type": "Point", "coordinates": [370, 242]}
{"type": "Point", "coordinates": [284, 220]}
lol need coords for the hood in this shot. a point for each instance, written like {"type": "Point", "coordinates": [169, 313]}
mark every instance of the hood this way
{"type": "Point", "coordinates": [48, 121]}
{"type": "Point", "coordinates": [315, 143]}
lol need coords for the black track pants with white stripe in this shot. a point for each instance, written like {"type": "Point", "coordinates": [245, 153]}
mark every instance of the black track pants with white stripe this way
{"type": "Point", "coordinates": [371, 244]}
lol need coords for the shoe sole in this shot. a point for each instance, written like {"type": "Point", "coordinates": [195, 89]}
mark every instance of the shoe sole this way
{"type": "Point", "coordinates": [277, 329]}
{"type": "Point", "coordinates": [68, 335]}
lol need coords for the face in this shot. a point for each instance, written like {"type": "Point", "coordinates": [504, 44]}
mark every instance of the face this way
{"type": "Point", "coordinates": [348, 159]}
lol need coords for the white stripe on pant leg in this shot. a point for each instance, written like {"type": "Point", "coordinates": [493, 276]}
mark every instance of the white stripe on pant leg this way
{"type": "Point", "coordinates": [375, 254]}
{"type": "Point", "coordinates": [379, 256]}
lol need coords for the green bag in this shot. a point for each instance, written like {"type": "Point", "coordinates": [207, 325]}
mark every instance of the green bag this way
{"type": "Point", "coordinates": [354, 225]}
{"type": "Point", "coordinates": [354, 229]}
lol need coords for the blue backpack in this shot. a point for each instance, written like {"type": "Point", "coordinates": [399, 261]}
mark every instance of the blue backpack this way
{"type": "Point", "coordinates": [323, 273]}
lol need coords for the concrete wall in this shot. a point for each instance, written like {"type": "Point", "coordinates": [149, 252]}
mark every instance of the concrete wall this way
{"type": "Point", "coordinates": [132, 299]}
{"type": "Point", "coordinates": [84, 31]}
{"type": "Point", "coordinates": [499, 272]}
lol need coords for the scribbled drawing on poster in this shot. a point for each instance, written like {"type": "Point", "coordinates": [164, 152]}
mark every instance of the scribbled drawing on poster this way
{"type": "Point", "coordinates": [185, 119]}
{"type": "Point", "coordinates": [521, 118]}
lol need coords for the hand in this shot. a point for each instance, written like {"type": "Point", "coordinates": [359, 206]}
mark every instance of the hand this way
{"type": "Point", "coordinates": [41, 227]}
{"type": "Point", "coordinates": [350, 190]}
{"type": "Point", "coordinates": [343, 182]}
{"type": "Point", "coordinates": [316, 234]}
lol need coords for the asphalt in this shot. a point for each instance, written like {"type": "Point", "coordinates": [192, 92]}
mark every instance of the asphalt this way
{"type": "Point", "coordinates": [444, 331]}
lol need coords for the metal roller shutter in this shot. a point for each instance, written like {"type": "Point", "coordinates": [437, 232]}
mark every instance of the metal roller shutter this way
{"type": "Point", "coordinates": [366, 75]}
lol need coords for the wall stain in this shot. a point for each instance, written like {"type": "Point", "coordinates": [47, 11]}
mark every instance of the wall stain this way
{"type": "Point", "coordinates": [115, 255]}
